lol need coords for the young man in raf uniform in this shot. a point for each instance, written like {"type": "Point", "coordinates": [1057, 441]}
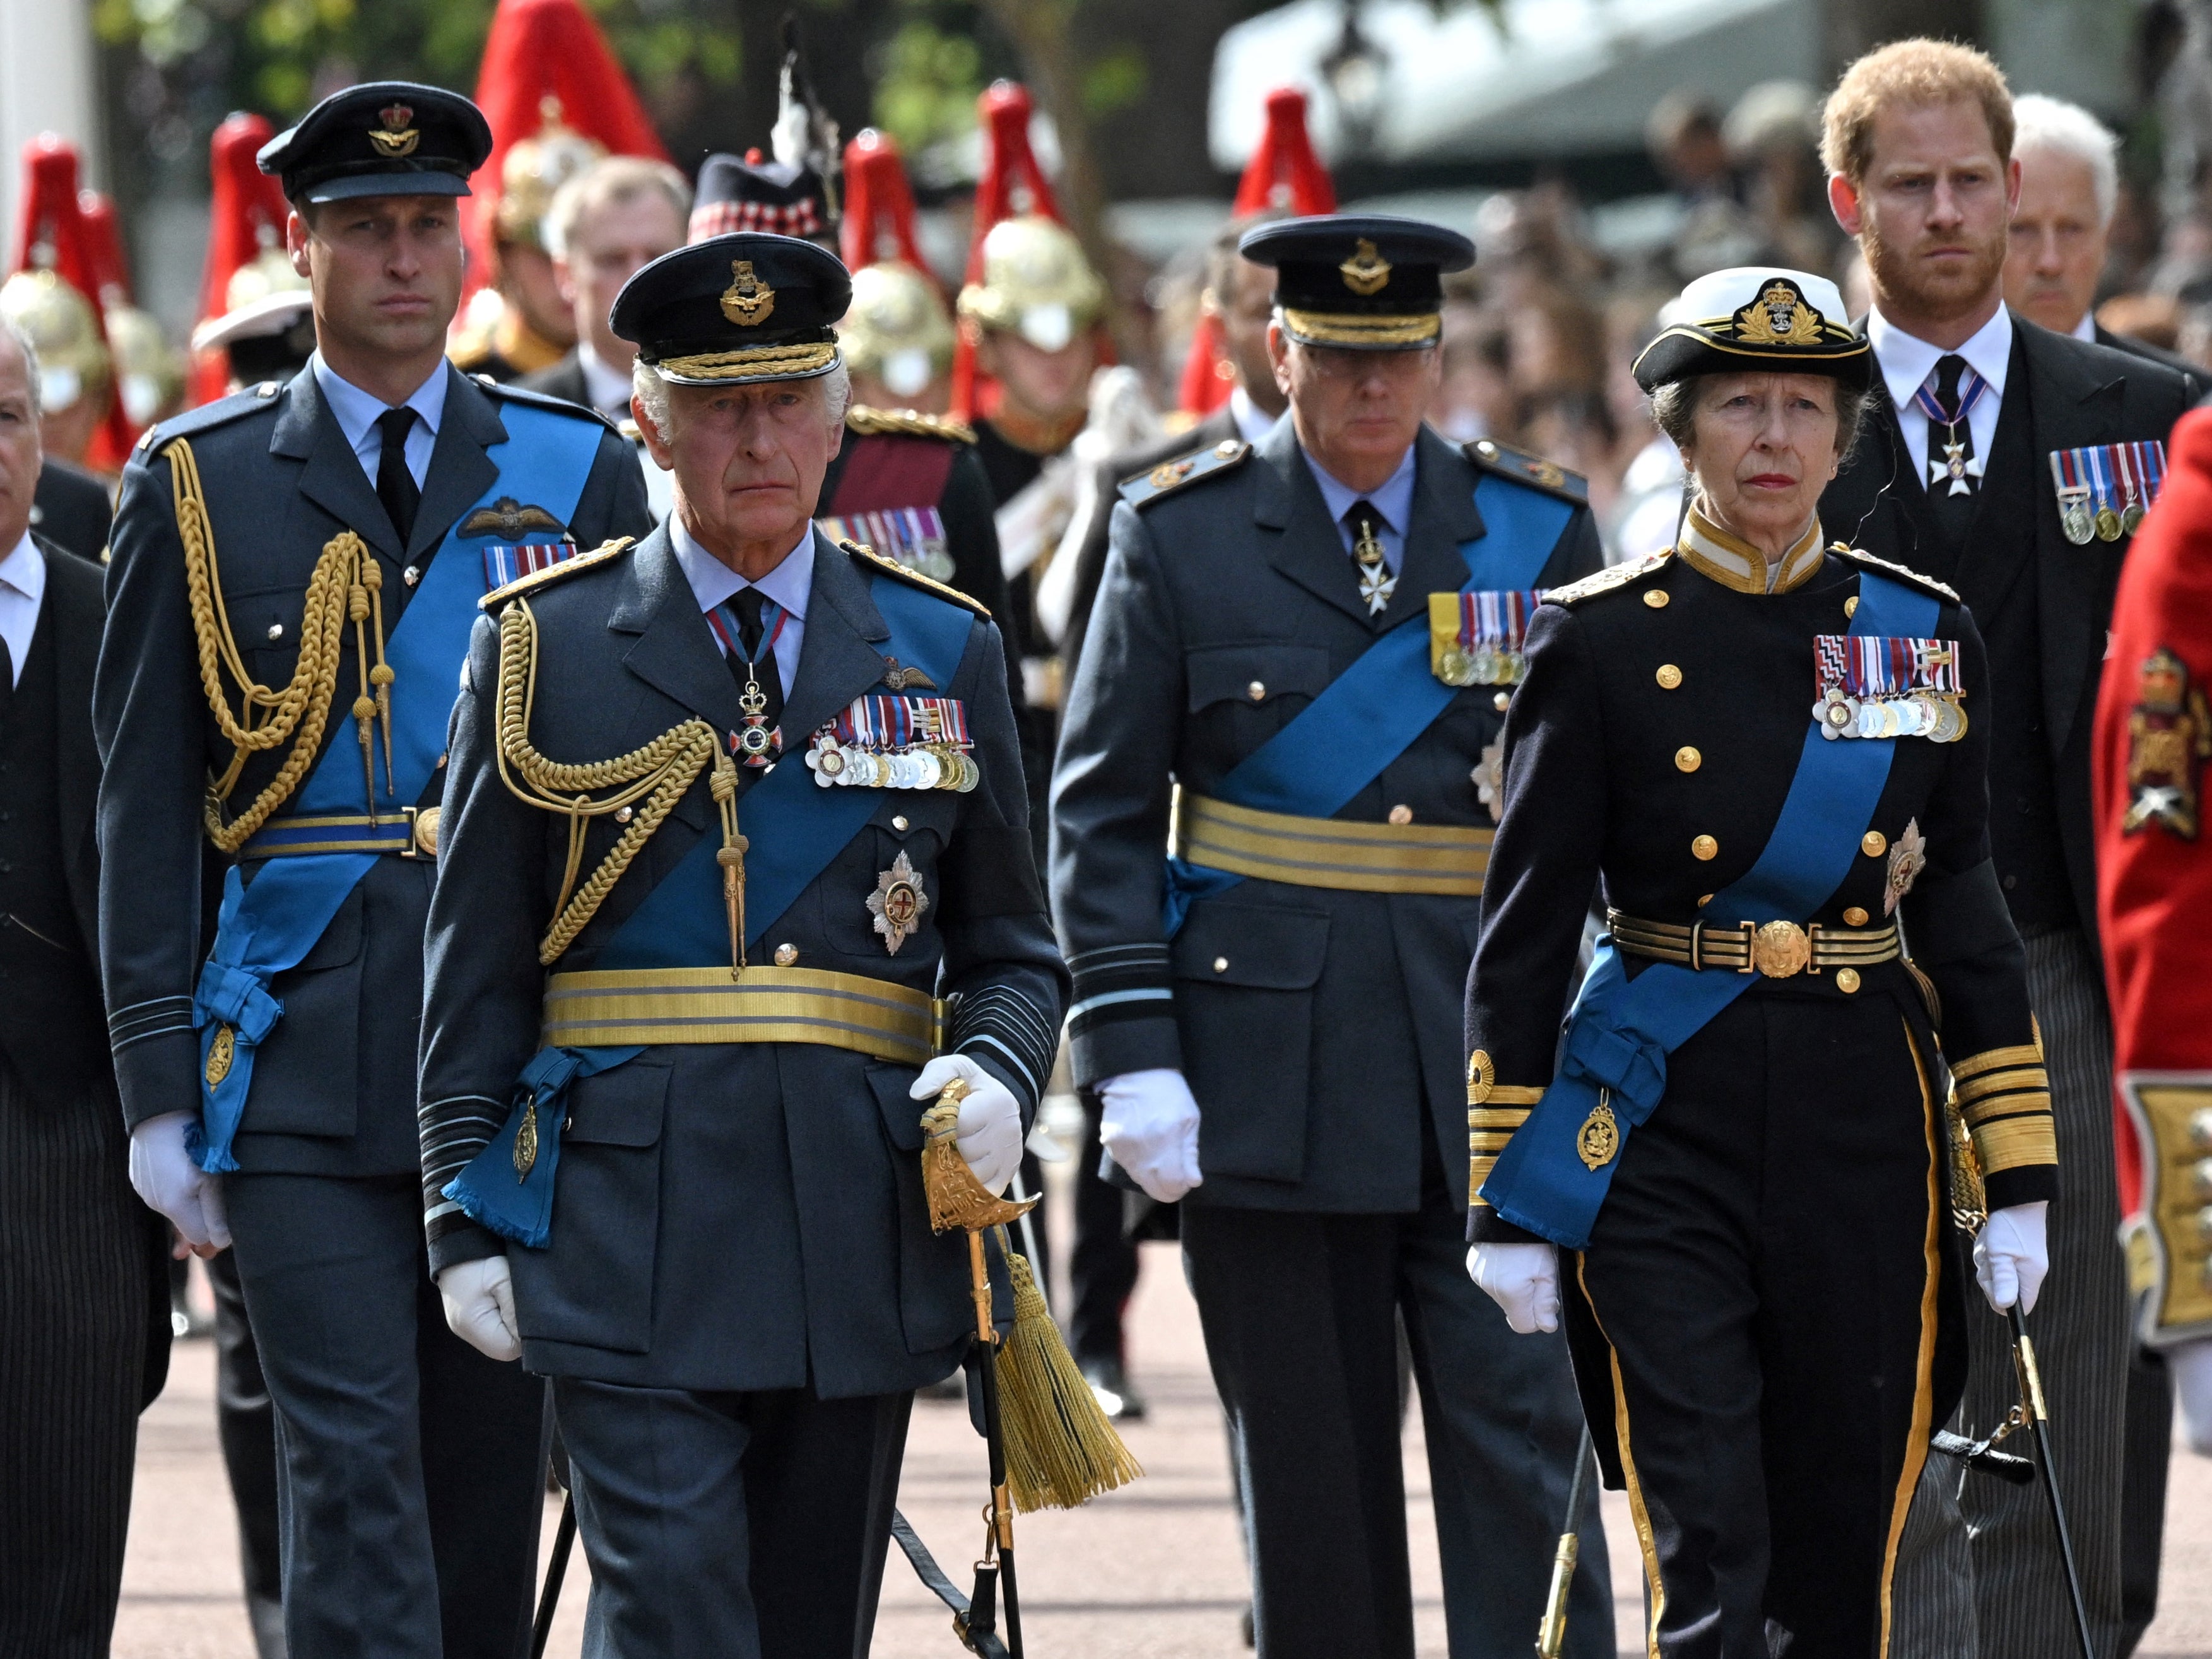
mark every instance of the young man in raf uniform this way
{"type": "Point", "coordinates": [753, 799]}
{"type": "Point", "coordinates": [296, 571]}
{"type": "Point", "coordinates": [1300, 655]}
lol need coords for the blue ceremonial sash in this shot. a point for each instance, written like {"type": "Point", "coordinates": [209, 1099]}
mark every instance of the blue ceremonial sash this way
{"type": "Point", "coordinates": [1372, 713]}
{"type": "Point", "coordinates": [1621, 1031]}
{"type": "Point", "coordinates": [794, 828]}
{"type": "Point", "coordinates": [267, 927]}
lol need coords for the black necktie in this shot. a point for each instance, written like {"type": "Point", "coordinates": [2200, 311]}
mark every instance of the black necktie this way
{"type": "Point", "coordinates": [747, 603]}
{"type": "Point", "coordinates": [395, 484]}
{"type": "Point", "coordinates": [1376, 580]}
{"type": "Point", "coordinates": [1951, 481]}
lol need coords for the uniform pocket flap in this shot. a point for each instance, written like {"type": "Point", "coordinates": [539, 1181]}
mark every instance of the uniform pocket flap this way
{"type": "Point", "coordinates": [1253, 673]}
{"type": "Point", "coordinates": [341, 941]}
{"type": "Point", "coordinates": [902, 1111]}
{"type": "Point", "coordinates": [1267, 946]}
{"type": "Point", "coordinates": [623, 1107]}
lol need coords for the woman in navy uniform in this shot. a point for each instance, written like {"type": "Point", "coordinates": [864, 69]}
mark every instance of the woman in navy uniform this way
{"type": "Point", "coordinates": [1771, 754]}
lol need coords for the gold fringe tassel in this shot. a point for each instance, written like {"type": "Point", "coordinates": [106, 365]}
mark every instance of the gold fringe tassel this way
{"type": "Point", "coordinates": [1061, 1450]}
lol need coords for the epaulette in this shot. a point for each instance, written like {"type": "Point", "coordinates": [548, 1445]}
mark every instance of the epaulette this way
{"type": "Point", "coordinates": [208, 417]}
{"type": "Point", "coordinates": [1911, 578]}
{"type": "Point", "coordinates": [1521, 467]}
{"type": "Point", "coordinates": [522, 394]}
{"type": "Point", "coordinates": [1146, 488]}
{"type": "Point", "coordinates": [559, 572]}
{"type": "Point", "coordinates": [907, 423]}
{"type": "Point", "coordinates": [1612, 576]}
{"type": "Point", "coordinates": [882, 567]}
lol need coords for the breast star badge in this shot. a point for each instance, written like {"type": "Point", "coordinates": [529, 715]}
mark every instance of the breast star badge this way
{"type": "Point", "coordinates": [897, 903]}
{"type": "Point", "coordinates": [1908, 857]}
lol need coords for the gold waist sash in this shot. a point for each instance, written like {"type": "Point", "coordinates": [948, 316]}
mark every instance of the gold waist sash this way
{"type": "Point", "coordinates": [1448, 859]}
{"type": "Point", "coordinates": [619, 1007]}
{"type": "Point", "coordinates": [1776, 949]}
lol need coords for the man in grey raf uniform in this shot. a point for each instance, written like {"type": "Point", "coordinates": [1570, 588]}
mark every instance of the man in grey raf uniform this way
{"type": "Point", "coordinates": [730, 964]}
{"type": "Point", "coordinates": [295, 572]}
{"type": "Point", "coordinates": [1299, 658]}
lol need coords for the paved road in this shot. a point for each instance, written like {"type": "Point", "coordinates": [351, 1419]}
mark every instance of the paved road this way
{"type": "Point", "coordinates": [1155, 1569]}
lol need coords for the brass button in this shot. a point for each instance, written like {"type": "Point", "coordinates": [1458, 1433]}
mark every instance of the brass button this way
{"type": "Point", "coordinates": [786, 954]}
{"type": "Point", "coordinates": [1401, 814]}
{"type": "Point", "coordinates": [1668, 676]}
{"type": "Point", "coordinates": [1688, 759]}
{"type": "Point", "coordinates": [899, 823]}
{"type": "Point", "coordinates": [1656, 598]}
{"type": "Point", "coordinates": [1851, 605]}
{"type": "Point", "coordinates": [1502, 702]}
{"type": "Point", "coordinates": [1221, 964]}
{"type": "Point", "coordinates": [1847, 979]}
{"type": "Point", "coordinates": [1874, 843]}
{"type": "Point", "coordinates": [1704, 899]}
{"type": "Point", "coordinates": [1855, 917]}
{"type": "Point", "coordinates": [1705, 847]}
{"type": "Point", "coordinates": [624, 814]}
{"type": "Point", "coordinates": [1256, 691]}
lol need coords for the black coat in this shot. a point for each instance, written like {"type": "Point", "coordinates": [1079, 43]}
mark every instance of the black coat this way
{"type": "Point", "coordinates": [334, 1084]}
{"type": "Point", "coordinates": [564, 380]}
{"type": "Point", "coordinates": [745, 1216]}
{"type": "Point", "coordinates": [2078, 395]}
{"type": "Point", "coordinates": [70, 509]}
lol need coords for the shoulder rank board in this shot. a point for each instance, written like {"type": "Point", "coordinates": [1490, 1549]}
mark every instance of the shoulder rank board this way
{"type": "Point", "coordinates": [1148, 487]}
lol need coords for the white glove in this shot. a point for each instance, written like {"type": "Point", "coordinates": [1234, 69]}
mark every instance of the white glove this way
{"type": "Point", "coordinates": [479, 1298]}
{"type": "Point", "coordinates": [2191, 1366]}
{"type": "Point", "coordinates": [1522, 1279]}
{"type": "Point", "coordinates": [162, 1173]}
{"type": "Point", "coordinates": [1149, 1122]}
{"type": "Point", "coordinates": [2010, 1257]}
{"type": "Point", "coordinates": [989, 1133]}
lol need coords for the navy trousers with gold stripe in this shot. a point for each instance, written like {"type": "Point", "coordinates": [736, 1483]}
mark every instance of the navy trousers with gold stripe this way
{"type": "Point", "coordinates": [1757, 1321]}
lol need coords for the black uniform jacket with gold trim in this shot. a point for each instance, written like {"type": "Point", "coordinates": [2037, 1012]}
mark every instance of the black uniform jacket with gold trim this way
{"type": "Point", "coordinates": [746, 1216]}
{"type": "Point", "coordinates": [334, 1084]}
{"type": "Point", "coordinates": [1672, 708]}
{"type": "Point", "coordinates": [1315, 1026]}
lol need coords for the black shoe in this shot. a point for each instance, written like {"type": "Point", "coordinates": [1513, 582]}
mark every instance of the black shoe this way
{"type": "Point", "coordinates": [1109, 1386]}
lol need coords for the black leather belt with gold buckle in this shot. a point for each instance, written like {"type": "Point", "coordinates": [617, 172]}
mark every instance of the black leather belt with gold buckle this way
{"type": "Point", "coordinates": [1776, 949]}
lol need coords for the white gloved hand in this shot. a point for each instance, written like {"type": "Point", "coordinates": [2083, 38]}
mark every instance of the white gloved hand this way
{"type": "Point", "coordinates": [479, 1298]}
{"type": "Point", "coordinates": [1522, 1279]}
{"type": "Point", "coordinates": [1149, 1121]}
{"type": "Point", "coordinates": [162, 1173]}
{"type": "Point", "coordinates": [2191, 1366]}
{"type": "Point", "coordinates": [989, 1133]}
{"type": "Point", "coordinates": [2011, 1256]}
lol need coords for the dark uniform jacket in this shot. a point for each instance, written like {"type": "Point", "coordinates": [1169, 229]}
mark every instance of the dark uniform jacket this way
{"type": "Point", "coordinates": [333, 1089]}
{"type": "Point", "coordinates": [1315, 1027]}
{"type": "Point", "coordinates": [564, 380]}
{"type": "Point", "coordinates": [2042, 603]}
{"type": "Point", "coordinates": [70, 508]}
{"type": "Point", "coordinates": [894, 458]}
{"type": "Point", "coordinates": [1652, 746]}
{"type": "Point", "coordinates": [745, 1216]}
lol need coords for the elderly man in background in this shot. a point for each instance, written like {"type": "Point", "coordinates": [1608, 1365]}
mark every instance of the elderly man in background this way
{"type": "Point", "coordinates": [84, 1289]}
{"type": "Point", "coordinates": [2069, 186]}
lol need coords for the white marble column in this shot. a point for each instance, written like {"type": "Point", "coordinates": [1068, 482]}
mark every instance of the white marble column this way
{"type": "Point", "coordinates": [46, 84]}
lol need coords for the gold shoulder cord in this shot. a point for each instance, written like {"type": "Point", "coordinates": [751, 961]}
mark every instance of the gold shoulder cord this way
{"type": "Point", "coordinates": [658, 773]}
{"type": "Point", "coordinates": [346, 586]}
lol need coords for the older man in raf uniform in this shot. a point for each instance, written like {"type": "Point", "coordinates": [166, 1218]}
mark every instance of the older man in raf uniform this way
{"type": "Point", "coordinates": [730, 963]}
{"type": "Point", "coordinates": [1297, 665]}
{"type": "Point", "coordinates": [296, 571]}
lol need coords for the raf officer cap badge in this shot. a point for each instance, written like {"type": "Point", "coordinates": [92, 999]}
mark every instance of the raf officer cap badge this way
{"type": "Point", "coordinates": [385, 138]}
{"type": "Point", "coordinates": [746, 307]}
{"type": "Point", "coordinates": [1755, 318]}
{"type": "Point", "coordinates": [1368, 282]}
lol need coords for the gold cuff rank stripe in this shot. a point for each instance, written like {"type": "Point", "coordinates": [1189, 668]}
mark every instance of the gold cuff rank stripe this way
{"type": "Point", "coordinates": [2014, 1143]}
{"type": "Point", "coordinates": [668, 1006]}
{"type": "Point", "coordinates": [2002, 1096]}
{"type": "Point", "coordinates": [2025, 1054]}
{"type": "Point", "coordinates": [1444, 859]}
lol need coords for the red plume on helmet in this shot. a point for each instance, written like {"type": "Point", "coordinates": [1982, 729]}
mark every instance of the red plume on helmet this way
{"type": "Point", "coordinates": [246, 211]}
{"type": "Point", "coordinates": [51, 235]}
{"type": "Point", "coordinates": [111, 280]}
{"type": "Point", "coordinates": [542, 49]}
{"type": "Point", "coordinates": [1284, 174]}
{"type": "Point", "coordinates": [878, 204]}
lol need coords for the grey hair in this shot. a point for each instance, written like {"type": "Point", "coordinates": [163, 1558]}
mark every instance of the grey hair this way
{"type": "Point", "coordinates": [1674, 411]}
{"type": "Point", "coordinates": [2052, 124]}
{"type": "Point", "coordinates": [14, 331]}
{"type": "Point", "coordinates": [651, 389]}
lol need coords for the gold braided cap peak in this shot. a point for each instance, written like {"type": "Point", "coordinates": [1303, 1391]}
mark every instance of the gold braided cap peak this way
{"type": "Point", "coordinates": [1609, 578]}
{"type": "Point", "coordinates": [1903, 573]}
{"type": "Point", "coordinates": [874, 561]}
{"type": "Point", "coordinates": [869, 422]}
{"type": "Point", "coordinates": [559, 571]}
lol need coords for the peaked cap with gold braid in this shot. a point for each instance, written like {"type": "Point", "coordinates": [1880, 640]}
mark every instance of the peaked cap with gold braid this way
{"type": "Point", "coordinates": [1365, 281]}
{"type": "Point", "coordinates": [746, 307]}
{"type": "Point", "coordinates": [1756, 318]}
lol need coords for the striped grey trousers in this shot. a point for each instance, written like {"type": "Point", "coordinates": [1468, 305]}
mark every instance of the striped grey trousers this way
{"type": "Point", "coordinates": [1979, 1569]}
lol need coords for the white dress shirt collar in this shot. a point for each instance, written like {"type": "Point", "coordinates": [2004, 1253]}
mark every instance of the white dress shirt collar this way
{"type": "Point", "coordinates": [1907, 360]}
{"type": "Point", "coordinates": [2087, 328]}
{"type": "Point", "coordinates": [788, 585]}
{"type": "Point", "coordinates": [22, 587]}
{"type": "Point", "coordinates": [1393, 503]}
{"type": "Point", "coordinates": [356, 413]}
{"type": "Point", "coordinates": [1252, 423]}
{"type": "Point", "coordinates": [607, 387]}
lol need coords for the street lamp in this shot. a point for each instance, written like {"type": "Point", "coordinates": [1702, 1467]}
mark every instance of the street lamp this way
{"type": "Point", "coordinates": [1355, 70]}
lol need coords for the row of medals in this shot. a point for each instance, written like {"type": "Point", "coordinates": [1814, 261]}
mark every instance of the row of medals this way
{"type": "Point", "coordinates": [926, 766]}
{"type": "Point", "coordinates": [1480, 665]}
{"type": "Point", "coordinates": [1922, 714]}
{"type": "Point", "coordinates": [2084, 525]}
